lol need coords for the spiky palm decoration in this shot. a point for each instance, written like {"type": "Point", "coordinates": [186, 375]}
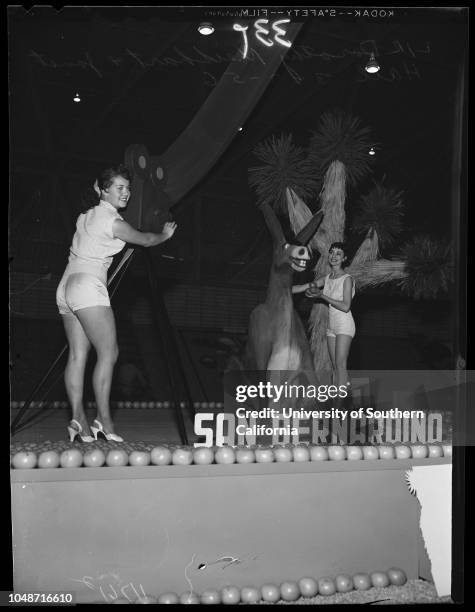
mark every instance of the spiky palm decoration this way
{"type": "Point", "coordinates": [341, 136]}
{"type": "Point", "coordinates": [339, 149]}
{"type": "Point", "coordinates": [284, 166]}
{"type": "Point", "coordinates": [429, 268]}
{"type": "Point", "coordinates": [381, 210]}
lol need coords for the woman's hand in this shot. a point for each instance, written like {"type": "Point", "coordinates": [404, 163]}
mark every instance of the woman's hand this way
{"type": "Point", "coordinates": [169, 229]}
{"type": "Point", "coordinates": [313, 291]}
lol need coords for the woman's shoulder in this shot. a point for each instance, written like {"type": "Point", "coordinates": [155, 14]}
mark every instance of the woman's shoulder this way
{"type": "Point", "coordinates": [104, 213]}
{"type": "Point", "coordinates": [341, 279]}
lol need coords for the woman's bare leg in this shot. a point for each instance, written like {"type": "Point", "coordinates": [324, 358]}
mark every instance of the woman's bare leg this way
{"type": "Point", "coordinates": [342, 350]}
{"type": "Point", "coordinates": [99, 324]}
{"type": "Point", "coordinates": [79, 346]}
{"type": "Point", "coordinates": [331, 352]}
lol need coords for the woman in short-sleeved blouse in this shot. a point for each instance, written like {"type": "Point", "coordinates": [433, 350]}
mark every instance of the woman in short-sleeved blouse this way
{"type": "Point", "coordinates": [83, 299]}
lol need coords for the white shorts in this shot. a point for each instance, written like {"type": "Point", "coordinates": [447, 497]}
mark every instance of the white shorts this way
{"type": "Point", "coordinates": [80, 290]}
{"type": "Point", "coordinates": [340, 323]}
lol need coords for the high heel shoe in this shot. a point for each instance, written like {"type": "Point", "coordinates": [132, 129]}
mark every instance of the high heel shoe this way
{"type": "Point", "coordinates": [77, 432]}
{"type": "Point", "coordinates": [108, 436]}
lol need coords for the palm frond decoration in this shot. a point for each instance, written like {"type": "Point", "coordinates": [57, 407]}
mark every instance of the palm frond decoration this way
{"type": "Point", "coordinates": [428, 266]}
{"type": "Point", "coordinates": [378, 272]}
{"type": "Point", "coordinates": [284, 165]}
{"type": "Point", "coordinates": [368, 249]}
{"type": "Point", "coordinates": [332, 202]}
{"type": "Point", "coordinates": [317, 327]}
{"type": "Point", "coordinates": [342, 136]}
{"type": "Point", "coordinates": [333, 194]}
{"type": "Point", "coordinates": [381, 210]}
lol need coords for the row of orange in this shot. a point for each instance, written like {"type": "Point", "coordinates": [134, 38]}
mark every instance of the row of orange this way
{"type": "Point", "coordinates": [162, 455]}
{"type": "Point", "coordinates": [287, 591]}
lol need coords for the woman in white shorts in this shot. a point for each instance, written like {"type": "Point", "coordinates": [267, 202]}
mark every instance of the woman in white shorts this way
{"type": "Point", "coordinates": [338, 290]}
{"type": "Point", "coordinates": [83, 299]}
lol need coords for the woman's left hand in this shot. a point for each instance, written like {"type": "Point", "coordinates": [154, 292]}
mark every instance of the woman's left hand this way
{"type": "Point", "coordinates": [169, 229]}
{"type": "Point", "coordinates": [314, 292]}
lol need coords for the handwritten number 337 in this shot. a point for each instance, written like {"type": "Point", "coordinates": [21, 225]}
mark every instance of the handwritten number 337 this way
{"type": "Point", "coordinates": [262, 33]}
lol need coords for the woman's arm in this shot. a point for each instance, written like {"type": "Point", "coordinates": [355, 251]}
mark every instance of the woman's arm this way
{"type": "Point", "coordinates": [124, 231]}
{"type": "Point", "coordinates": [345, 304]}
{"type": "Point", "coordinates": [300, 288]}
{"type": "Point", "coordinates": [312, 286]}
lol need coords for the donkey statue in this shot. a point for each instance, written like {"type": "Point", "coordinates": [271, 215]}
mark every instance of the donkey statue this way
{"type": "Point", "coordinates": [276, 335]}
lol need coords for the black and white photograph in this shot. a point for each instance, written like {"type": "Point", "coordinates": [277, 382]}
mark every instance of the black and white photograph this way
{"type": "Point", "coordinates": [237, 242]}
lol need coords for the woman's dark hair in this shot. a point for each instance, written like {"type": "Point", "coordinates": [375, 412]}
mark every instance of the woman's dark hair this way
{"type": "Point", "coordinates": [107, 176]}
{"type": "Point", "coordinates": [342, 246]}
{"type": "Point", "coordinates": [105, 179]}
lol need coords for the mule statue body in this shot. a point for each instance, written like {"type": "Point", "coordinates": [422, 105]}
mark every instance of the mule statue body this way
{"type": "Point", "coordinates": [276, 336]}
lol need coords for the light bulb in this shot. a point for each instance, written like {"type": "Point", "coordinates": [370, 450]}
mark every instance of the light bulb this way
{"type": "Point", "coordinates": [205, 28]}
{"type": "Point", "coordinates": [372, 66]}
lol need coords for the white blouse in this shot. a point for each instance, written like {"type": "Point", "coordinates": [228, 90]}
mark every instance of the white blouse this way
{"type": "Point", "coordinates": [94, 243]}
{"type": "Point", "coordinates": [333, 287]}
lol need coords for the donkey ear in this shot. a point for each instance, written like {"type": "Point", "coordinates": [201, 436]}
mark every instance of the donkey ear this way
{"type": "Point", "coordinates": [307, 233]}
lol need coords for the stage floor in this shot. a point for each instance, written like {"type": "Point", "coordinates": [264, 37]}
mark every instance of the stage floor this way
{"type": "Point", "coordinates": [154, 425]}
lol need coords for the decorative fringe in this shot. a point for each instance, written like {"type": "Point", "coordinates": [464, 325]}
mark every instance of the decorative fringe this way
{"type": "Point", "coordinates": [334, 187]}
{"type": "Point", "coordinates": [375, 273]}
{"type": "Point", "coordinates": [318, 324]}
{"type": "Point", "coordinates": [429, 267]}
{"type": "Point", "coordinates": [283, 165]}
{"type": "Point", "coordinates": [342, 136]}
{"type": "Point", "coordinates": [368, 249]}
{"type": "Point", "coordinates": [382, 210]}
{"type": "Point", "coordinates": [332, 199]}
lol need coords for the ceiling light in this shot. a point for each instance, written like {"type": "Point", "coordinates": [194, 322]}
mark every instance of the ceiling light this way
{"type": "Point", "coordinates": [372, 151]}
{"type": "Point", "coordinates": [240, 129]}
{"type": "Point", "coordinates": [372, 66]}
{"type": "Point", "coordinates": [77, 98]}
{"type": "Point", "coordinates": [205, 28]}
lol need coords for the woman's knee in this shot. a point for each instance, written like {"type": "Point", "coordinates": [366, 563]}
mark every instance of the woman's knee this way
{"type": "Point", "coordinates": [78, 356]}
{"type": "Point", "coordinates": [341, 365]}
{"type": "Point", "coordinates": [108, 354]}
